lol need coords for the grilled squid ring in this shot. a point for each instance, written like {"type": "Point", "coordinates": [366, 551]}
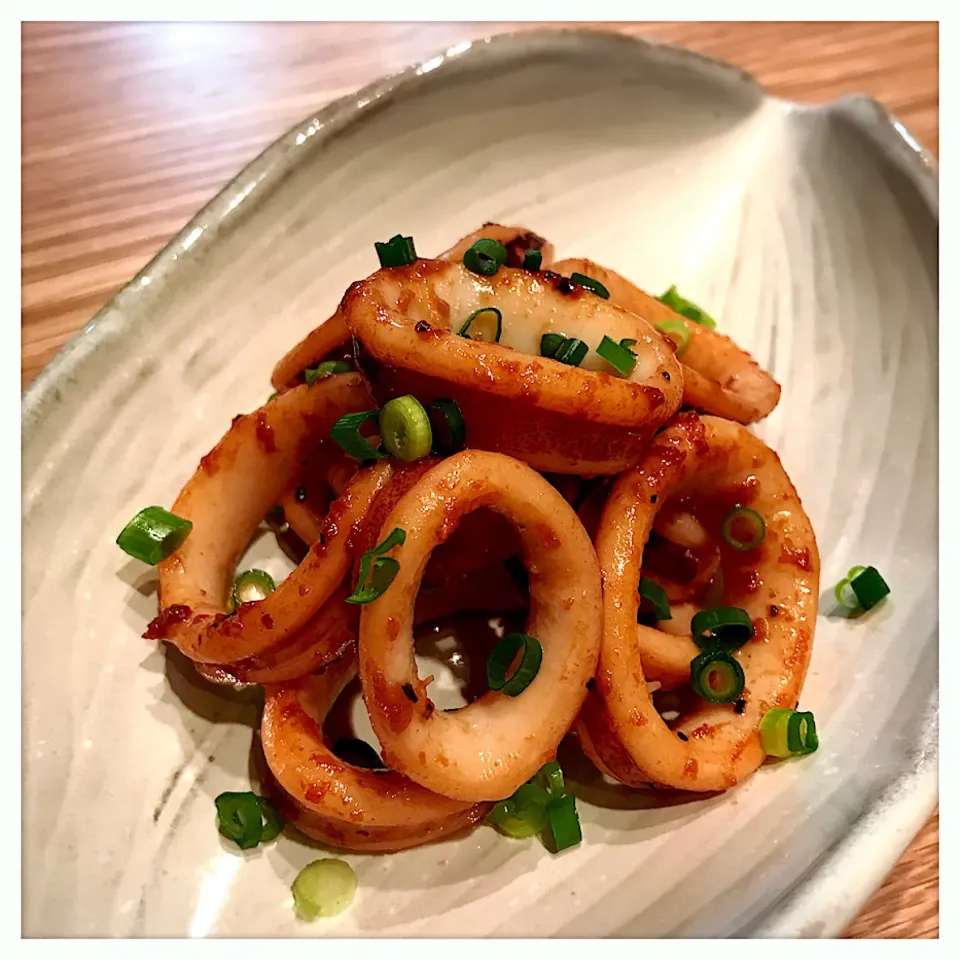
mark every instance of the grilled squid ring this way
{"type": "Point", "coordinates": [233, 488]}
{"type": "Point", "coordinates": [719, 377]}
{"type": "Point", "coordinates": [333, 801]}
{"type": "Point", "coordinates": [556, 417]}
{"type": "Point", "coordinates": [716, 464]}
{"type": "Point", "coordinates": [489, 748]}
{"type": "Point", "coordinates": [334, 334]}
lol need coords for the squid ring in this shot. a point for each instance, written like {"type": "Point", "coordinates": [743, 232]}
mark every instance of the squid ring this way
{"type": "Point", "coordinates": [333, 801]}
{"type": "Point", "coordinates": [232, 490]}
{"type": "Point", "coordinates": [487, 749]}
{"type": "Point", "coordinates": [719, 377]}
{"type": "Point", "coordinates": [776, 583]}
{"type": "Point", "coordinates": [557, 417]}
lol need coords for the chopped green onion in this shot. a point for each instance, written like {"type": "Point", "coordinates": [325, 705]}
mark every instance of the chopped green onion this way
{"type": "Point", "coordinates": [523, 814]}
{"type": "Point", "coordinates": [627, 343]}
{"type": "Point", "coordinates": [485, 257]}
{"type": "Point", "coordinates": [447, 426]}
{"type": "Point", "coordinates": [346, 434]}
{"type": "Point", "coordinates": [325, 369]}
{"type": "Point", "coordinates": [571, 352]}
{"type": "Point", "coordinates": [618, 356]}
{"type": "Point", "coordinates": [863, 587]}
{"type": "Point", "coordinates": [787, 733]}
{"type": "Point", "coordinates": [153, 534]}
{"type": "Point", "coordinates": [372, 583]}
{"type": "Point", "coordinates": [677, 331]}
{"type": "Point", "coordinates": [550, 778]}
{"type": "Point", "coordinates": [250, 586]}
{"type": "Point", "coordinates": [657, 596]}
{"type": "Point", "coordinates": [716, 676]}
{"type": "Point", "coordinates": [484, 325]}
{"type": "Point", "coordinates": [550, 343]}
{"type": "Point", "coordinates": [582, 280]}
{"type": "Point", "coordinates": [247, 819]}
{"type": "Point", "coordinates": [405, 428]}
{"type": "Point", "coordinates": [722, 628]}
{"type": "Point", "coordinates": [398, 251]}
{"type": "Point", "coordinates": [502, 657]}
{"type": "Point", "coordinates": [687, 309]}
{"type": "Point", "coordinates": [743, 528]}
{"type": "Point", "coordinates": [324, 888]}
{"type": "Point", "coordinates": [564, 822]}
{"type": "Point", "coordinates": [532, 260]}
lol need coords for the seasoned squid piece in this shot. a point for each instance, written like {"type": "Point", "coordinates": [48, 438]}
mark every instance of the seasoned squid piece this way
{"type": "Point", "coordinates": [333, 334]}
{"type": "Point", "coordinates": [487, 749]}
{"type": "Point", "coordinates": [710, 465]}
{"type": "Point", "coordinates": [719, 377]}
{"type": "Point", "coordinates": [333, 801]}
{"type": "Point", "coordinates": [557, 417]}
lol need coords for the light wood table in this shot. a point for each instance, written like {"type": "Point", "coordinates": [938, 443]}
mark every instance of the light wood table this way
{"type": "Point", "coordinates": [129, 128]}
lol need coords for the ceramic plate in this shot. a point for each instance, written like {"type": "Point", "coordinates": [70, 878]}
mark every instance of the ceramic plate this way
{"type": "Point", "coordinates": [811, 234]}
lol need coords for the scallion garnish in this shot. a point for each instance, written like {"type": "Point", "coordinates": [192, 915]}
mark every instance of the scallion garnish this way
{"type": "Point", "coordinates": [153, 534]}
{"type": "Point", "coordinates": [716, 676]}
{"type": "Point", "coordinates": [247, 819]}
{"type": "Point", "coordinates": [405, 428]}
{"type": "Point", "coordinates": [324, 888]}
{"type": "Point", "coordinates": [523, 814]}
{"type": "Point", "coordinates": [595, 286]}
{"type": "Point", "coordinates": [677, 331]}
{"type": "Point", "coordinates": [325, 369]}
{"type": "Point", "coordinates": [541, 805]}
{"type": "Point", "coordinates": [618, 356]}
{"type": "Point", "coordinates": [532, 260]}
{"type": "Point", "coordinates": [564, 822]}
{"type": "Point", "coordinates": [377, 571]}
{"type": "Point", "coordinates": [721, 628]}
{"type": "Point", "coordinates": [485, 257]}
{"type": "Point", "coordinates": [447, 425]}
{"type": "Point", "coordinates": [250, 586]}
{"type": "Point", "coordinates": [657, 598]}
{"type": "Point", "coordinates": [550, 778]}
{"type": "Point", "coordinates": [398, 251]}
{"type": "Point", "coordinates": [503, 655]}
{"type": "Point", "coordinates": [346, 434]}
{"type": "Point", "coordinates": [571, 352]}
{"type": "Point", "coordinates": [484, 325]}
{"type": "Point", "coordinates": [687, 309]}
{"type": "Point", "coordinates": [787, 733]}
{"type": "Point", "coordinates": [550, 343]}
{"type": "Point", "coordinates": [862, 588]}
{"type": "Point", "coordinates": [743, 528]}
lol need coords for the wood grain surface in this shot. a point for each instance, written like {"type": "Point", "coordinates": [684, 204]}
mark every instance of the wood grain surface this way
{"type": "Point", "coordinates": [128, 128]}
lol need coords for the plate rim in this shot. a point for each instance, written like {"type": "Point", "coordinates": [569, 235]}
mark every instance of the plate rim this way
{"type": "Point", "coordinates": [824, 901]}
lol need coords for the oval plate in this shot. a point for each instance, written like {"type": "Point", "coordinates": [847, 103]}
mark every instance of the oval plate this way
{"type": "Point", "coordinates": [811, 234]}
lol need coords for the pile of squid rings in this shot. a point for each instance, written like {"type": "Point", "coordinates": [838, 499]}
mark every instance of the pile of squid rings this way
{"type": "Point", "coordinates": [600, 477]}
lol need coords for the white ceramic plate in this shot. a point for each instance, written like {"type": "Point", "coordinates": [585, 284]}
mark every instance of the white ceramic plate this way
{"type": "Point", "coordinates": [810, 233]}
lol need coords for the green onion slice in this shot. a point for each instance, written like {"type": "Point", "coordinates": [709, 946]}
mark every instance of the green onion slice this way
{"type": "Point", "coordinates": [618, 356]}
{"type": "Point", "coordinates": [377, 571]}
{"type": "Point", "coordinates": [532, 260]}
{"type": "Point", "coordinates": [250, 586]}
{"type": "Point", "coordinates": [550, 343]}
{"type": "Point", "coordinates": [564, 822]}
{"type": "Point", "coordinates": [247, 819]}
{"type": "Point", "coordinates": [657, 596]}
{"type": "Point", "coordinates": [743, 528]}
{"type": "Point", "coordinates": [398, 251]}
{"type": "Point", "coordinates": [550, 778]}
{"type": "Point", "coordinates": [866, 585]}
{"type": "Point", "coordinates": [346, 434]}
{"type": "Point", "coordinates": [485, 257]}
{"type": "Point", "coordinates": [716, 676]}
{"type": "Point", "coordinates": [677, 331]}
{"type": "Point", "coordinates": [405, 428]}
{"type": "Point", "coordinates": [323, 888]}
{"type": "Point", "coordinates": [582, 280]}
{"type": "Point", "coordinates": [571, 352]}
{"type": "Point", "coordinates": [447, 426]}
{"type": "Point", "coordinates": [522, 815]}
{"type": "Point", "coordinates": [484, 325]}
{"type": "Point", "coordinates": [502, 657]}
{"type": "Point", "coordinates": [787, 733]}
{"type": "Point", "coordinates": [721, 628]}
{"type": "Point", "coordinates": [153, 534]}
{"type": "Point", "coordinates": [272, 821]}
{"type": "Point", "coordinates": [627, 343]}
{"type": "Point", "coordinates": [326, 369]}
{"type": "Point", "coordinates": [687, 309]}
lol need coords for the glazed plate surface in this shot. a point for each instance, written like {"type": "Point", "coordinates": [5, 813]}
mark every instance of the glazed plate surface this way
{"type": "Point", "coordinates": [810, 233]}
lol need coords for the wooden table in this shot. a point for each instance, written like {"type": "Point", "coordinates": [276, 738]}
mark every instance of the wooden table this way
{"type": "Point", "coordinates": [129, 128]}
